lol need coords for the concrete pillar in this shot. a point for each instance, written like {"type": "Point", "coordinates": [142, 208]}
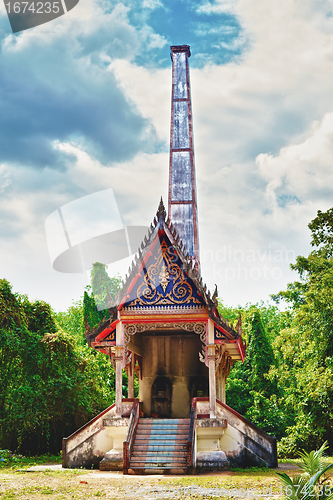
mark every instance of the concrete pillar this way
{"type": "Point", "coordinates": [212, 380]}
{"type": "Point", "coordinates": [119, 378]}
{"type": "Point", "coordinates": [130, 376]}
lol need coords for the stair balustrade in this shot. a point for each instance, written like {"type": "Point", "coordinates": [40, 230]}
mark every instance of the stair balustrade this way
{"type": "Point", "coordinates": [128, 443]}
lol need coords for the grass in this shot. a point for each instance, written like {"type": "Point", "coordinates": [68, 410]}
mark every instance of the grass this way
{"type": "Point", "coordinates": [78, 484]}
{"type": "Point", "coordinates": [83, 484]}
{"type": "Point", "coordinates": [14, 460]}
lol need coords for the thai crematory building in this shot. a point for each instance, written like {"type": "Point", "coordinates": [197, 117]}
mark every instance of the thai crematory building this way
{"type": "Point", "coordinates": [165, 327]}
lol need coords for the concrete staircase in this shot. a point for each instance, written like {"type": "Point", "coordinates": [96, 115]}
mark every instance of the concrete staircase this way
{"type": "Point", "coordinates": [160, 446]}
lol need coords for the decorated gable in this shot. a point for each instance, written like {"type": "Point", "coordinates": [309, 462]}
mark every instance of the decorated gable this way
{"type": "Point", "coordinates": [220, 336]}
{"type": "Point", "coordinates": [162, 280]}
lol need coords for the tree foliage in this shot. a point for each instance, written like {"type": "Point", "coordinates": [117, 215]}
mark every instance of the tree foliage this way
{"type": "Point", "coordinates": [104, 288]}
{"type": "Point", "coordinates": [99, 296]}
{"type": "Point", "coordinates": [286, 382]}
{"type": "Point", "coordinates": [42, 364]}
{"type": "Point", "coordinates": [250, 389]}
{"type": "Point", "coordinates": [306, 348]}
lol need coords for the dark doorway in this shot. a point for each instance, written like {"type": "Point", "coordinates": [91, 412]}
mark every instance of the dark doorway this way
{"type": "Point", "coordinates": [161, 392]}
{"type": "Point", "coordinates": [199, 387]}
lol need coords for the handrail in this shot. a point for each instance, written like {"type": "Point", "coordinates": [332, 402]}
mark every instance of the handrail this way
{"type": "Point", "coordinates": [270, 438]}
{"type": "Point", "coordinates": [78, 431]}
{"type": "Point", "coordinates": [86, 426]}
{"type": "Point", "coordinates": [128, 443]}
{"type": "Point", "coordinates": [260, 432]}
{"type": "Point", "coordinates": [238, 415]}
{"type": "Point", "coordinates": [190, 438]}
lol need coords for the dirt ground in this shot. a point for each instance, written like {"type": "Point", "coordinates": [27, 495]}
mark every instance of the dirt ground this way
{"type": "Point", "coordinates": [54, 483]}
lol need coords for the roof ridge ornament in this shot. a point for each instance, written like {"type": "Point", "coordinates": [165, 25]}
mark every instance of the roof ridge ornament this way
{"type": "Point", "coordinates": [161, 212]}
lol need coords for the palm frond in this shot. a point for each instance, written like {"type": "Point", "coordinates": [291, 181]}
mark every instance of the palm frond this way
{"type": "Point", "coordinates": [293, 487]}
{"type": "Point", "coordinates": [310, 484]}
{"type": "Point", "coordinates": [313, 462]}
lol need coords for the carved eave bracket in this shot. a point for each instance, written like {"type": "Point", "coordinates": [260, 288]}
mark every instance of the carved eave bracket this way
{"type": "Point", "coordinates": [223, 360]}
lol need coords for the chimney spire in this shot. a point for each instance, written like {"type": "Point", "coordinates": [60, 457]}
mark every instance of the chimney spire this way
{"type": "Point", "coordinates": [182, 205]}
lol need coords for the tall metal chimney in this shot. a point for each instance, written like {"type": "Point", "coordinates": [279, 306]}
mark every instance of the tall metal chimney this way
{"type": "Point", "coordinates": [182, 204]}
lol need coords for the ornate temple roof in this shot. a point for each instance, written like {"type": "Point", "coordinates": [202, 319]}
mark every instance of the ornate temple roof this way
{"type": "Point", "coordinates": [201, 297]}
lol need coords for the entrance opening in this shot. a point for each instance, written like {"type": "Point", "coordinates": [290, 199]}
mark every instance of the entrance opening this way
{"type": "Point", "coordinates": [161, 393]}
{"type": "Point", "coordinates": [199, 387]}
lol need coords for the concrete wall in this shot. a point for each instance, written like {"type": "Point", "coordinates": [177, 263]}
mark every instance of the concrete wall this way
{"type": "Point", "coordinates": [175, 357]}
{"type": "Point", "coordinates": [244, 444]}
{"type": "Point", "coordinates": [88, 445]}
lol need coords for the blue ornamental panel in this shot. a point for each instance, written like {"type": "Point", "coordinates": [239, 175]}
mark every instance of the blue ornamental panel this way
{"type": "Point", "coordinates": [164, 282]}
{"type": "Point", "coordinates": [219, 337]}
{"type": "Point", "coordinates": [111, 337]}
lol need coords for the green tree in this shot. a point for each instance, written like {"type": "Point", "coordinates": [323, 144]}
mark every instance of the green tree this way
{"type": "Point", "coordinates": [305, 350]}
{"type": "Point", "coordinates": [99, 296]}
{"type": "Point", "coordinates": [259, 355]}
{"type": "Point", "coordinates": [50, 384]}
{"type": "Point", "coordinates": [250, 388]}
{"type": "Point", "coordinates": [104, 288]}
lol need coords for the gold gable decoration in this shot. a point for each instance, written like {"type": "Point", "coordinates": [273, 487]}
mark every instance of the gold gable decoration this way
{"type": "Point", "coordinates": [161, 272]}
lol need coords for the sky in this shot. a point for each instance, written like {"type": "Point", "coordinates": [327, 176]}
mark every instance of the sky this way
{"type": "Point", "coordinates": [85, 106]}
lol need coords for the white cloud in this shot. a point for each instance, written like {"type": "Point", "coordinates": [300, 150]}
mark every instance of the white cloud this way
{"type": "Point", "coordinates": [138, 184]}
{"type": "Point", "coordinates": [4, 177]}
{"type": "Point", "coordinates": [87, 18]}
{"type": "Point", "coordinates": [152, 4]}
{"type": "Point", "coordinates": [219, 7]}
{"type": "Point", "coordinates": [149, 90]}
{"type": "Point", "coordinates": [263, 131]}
{"type": "Point", "coordinates": [259, 136]}
{"type": "Point", "coordinates": [305, 170]}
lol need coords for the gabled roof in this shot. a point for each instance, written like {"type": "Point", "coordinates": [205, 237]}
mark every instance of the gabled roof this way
{"type": "Point", "coordinates": [162, 225]}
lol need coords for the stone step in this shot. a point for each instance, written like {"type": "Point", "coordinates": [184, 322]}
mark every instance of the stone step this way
{"type": "Point", "coordinates": [169, 453]}
{"type": "Point", "coordinates": [145, 467]}
{"type": "Point", "coordinates": [160, 446]}
{"type": "Point", "coordinates": [173, 428]}
{"type": "Point", "coordinates": [156, 447]}
{"type": "Point", "coordinates": [161, 437]}
{"type": "Point", "coordinates": [158, 470]}
{"type": "Point", "coordinates": [152, 446]}
{"type": "Point", "coordinates": [158, 465]}
{"type": "Point", "coordinates": [157, 460]}
{"type": "Point", "coordinates": [165, 420]}
{"type": "Point", "coordinates": [161, 432]}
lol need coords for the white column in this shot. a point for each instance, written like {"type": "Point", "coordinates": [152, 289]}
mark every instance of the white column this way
{"type": "Point", "coordinates": [211, 367]}
{"type": "Point", "coordinates": [212, 380]}
{"type": "Point", "coordinates": [119, 367]}
{"type": "Point", "coordinates": [130, 376]}
{"type": "Point", "coordinates": [119, 378]}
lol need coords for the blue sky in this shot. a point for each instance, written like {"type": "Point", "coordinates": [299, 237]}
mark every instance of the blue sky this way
{"type": "Point", "coordinates": [85, 106]}
{"type": "Point", "coordinates": [214, 35]}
